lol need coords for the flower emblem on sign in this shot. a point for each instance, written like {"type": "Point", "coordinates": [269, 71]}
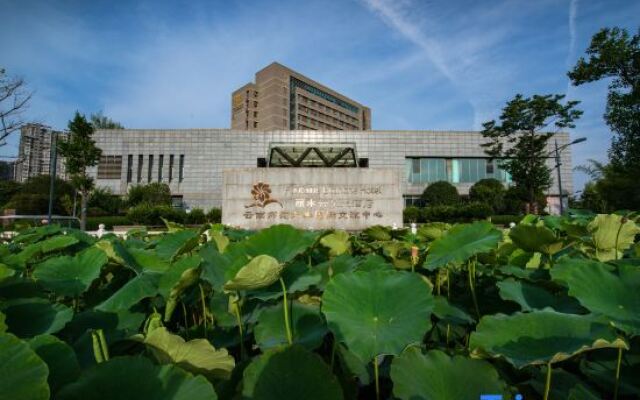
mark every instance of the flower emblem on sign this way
{"type": "Point", "coordinates": [261, 193]}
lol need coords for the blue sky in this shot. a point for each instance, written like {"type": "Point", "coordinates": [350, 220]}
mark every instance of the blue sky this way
{"type": "Point", "coordinates": [419, 64]}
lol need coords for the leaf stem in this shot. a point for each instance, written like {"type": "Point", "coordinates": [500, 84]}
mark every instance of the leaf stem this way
{"type": "Point", "coordinates": [333, 352]}
{"type": "Point", "coordinates": [376, 376]}
{"type": "Point", "coordinates": [547, 384]}
{"type": "Point", "coordinates": [285, 306]}
{"type": "Point", "coordinates": [471, 268]}
{"type": "Point", "coordinates": [615, 388]}
{"type": "Point", "coordinates": [184, 316]}
{"type": "Point", "coordinates": [204, 310]}
{"type": "Point", "coordinates": [236, 310]}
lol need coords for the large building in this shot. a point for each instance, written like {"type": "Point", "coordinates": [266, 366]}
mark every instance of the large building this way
{"type": "Point", "coordinates": [34, 153]}
{"type": "Point", "coordinates": [282, 99]}
{"type": "Point", "coordinates": [192, 161]}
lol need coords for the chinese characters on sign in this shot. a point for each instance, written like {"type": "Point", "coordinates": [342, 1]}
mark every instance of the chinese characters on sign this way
{"type": "Point", "coordinates": [315, 198]}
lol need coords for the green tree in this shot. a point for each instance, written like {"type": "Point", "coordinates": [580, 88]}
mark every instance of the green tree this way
{"type": "Point", "coordinates": [32, 197]}
{"type": "Point", "coordinates": [153, 194]}
{"type": "Point", "coordinates": [441, 193]}
{"type": "Point", "coordinates": [490, 192]}
{"type": "Point", "coordinates": [520, 139]}
{"type": "Point", "coordinates": [103, 201]}
{"type": "Point", "coordinates": [80, 152]}
{"type": "Point", "coordinates": [100, 121]}
{"type": "Point", "coordinates": [614, 54]}
{"type": "Point", "coordinates": [7, 190]}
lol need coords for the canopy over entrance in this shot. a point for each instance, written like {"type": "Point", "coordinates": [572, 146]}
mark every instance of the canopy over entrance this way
{"type": "Point", "coordinates": [308, 155]}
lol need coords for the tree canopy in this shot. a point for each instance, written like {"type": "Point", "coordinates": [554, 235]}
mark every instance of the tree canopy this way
{"type": "Point", "coordinates": [100, 121]}
{"type": "Point", "coordinates": [441, 193]}
{"type": "Point", "coordinates": [520, 139]}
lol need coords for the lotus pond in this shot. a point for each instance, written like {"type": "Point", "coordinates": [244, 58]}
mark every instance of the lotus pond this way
{"type": "Point", "coordinates": [549, 309]}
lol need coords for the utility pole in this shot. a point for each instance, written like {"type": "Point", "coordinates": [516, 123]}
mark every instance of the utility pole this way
{"type": "Point", "coordinates": [558, 164]}
{"type": "Point", "coordinates": [52, 172]}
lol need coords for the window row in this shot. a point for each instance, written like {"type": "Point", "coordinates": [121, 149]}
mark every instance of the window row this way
{"type": "Point", "coordinates": [454, 170]}
{"type": "Point", "coordinates": [329, 110]}
{"type": "Point", "coordinates": [337, 124]}
{"type": "Point", "coordinates": [150, 170]}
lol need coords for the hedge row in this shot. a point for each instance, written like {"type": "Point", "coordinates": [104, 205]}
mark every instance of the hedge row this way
{"type": "Point", "coordinates": [460, 213]}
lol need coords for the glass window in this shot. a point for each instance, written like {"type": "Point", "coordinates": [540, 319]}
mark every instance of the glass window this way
{"type": "Point", "coordinates": [160, 162]}
{"type": "Point", "coordinates": [170, 167]}
{"type": "Point", "coordinates": [129, 168]}
{"type": "Point", "coordinates": [150, 169]}
{"type": "Point", "coordinates": [181, 168]}
{"type": "Point", "coordinates": [140, 161]}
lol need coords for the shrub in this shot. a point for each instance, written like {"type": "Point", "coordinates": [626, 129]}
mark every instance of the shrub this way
{"type": "Point", "coordinates": [104, 202]}
{"type": "Point", "coordinates": [411, 214]}
{"type": "Point", "coordinates": [506, 219]}
{"type": "Point", "coordinates": [154, 194]}
{"type": "Point", "coordinates": [441, 193]}
{"type": "Point", "coordinates": [214, 216]}
{"type": "Point", "coordinates": [196, 216]}
{"type": "Point", "coordinates": [476, 210]}
{"type": "Point", "coordinates": [146, 214]}
{"type": "Point", "coordinates": [109, 222]}
{"type": "Point", "coordinates": [33, 196]}
{"type": "Point", "coordinates": [490, 192]}
{"type": "Point", "coordinates": [464, 213]}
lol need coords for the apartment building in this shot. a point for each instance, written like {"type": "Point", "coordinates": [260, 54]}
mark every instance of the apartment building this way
{"type": "Point", "coordinates": [34, 152]}
{"type": "Point", "coordinates": [283, 99]}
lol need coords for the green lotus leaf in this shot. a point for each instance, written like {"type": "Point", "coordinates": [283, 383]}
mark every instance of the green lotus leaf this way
{"type": "Point", "coordinates": [3, 325]}
{"type": "Point", "coordinates": [377, 312]}
{"type": "Point", "coordinates": [132, 292]}
{"type": "Point", "coordinates": [432, 230]}
{"type": "Point", "coordinates": [600, 370]}
{"type": "Point", "coordinates": [370, 262]}
{"type": "Point", "coordinates": [541, 337]}
{"type": "Point", "coordinates": [174, 244]}
{"type": "Point", "coordinates": [71, 276]}
{"type": "Point", "coordinates": [531, 297]}
{"type": "Point", "coordinates": [197, 356]}
{"type": "Point", "coordinates": [148, 260]}
{"type": "Point", "coordinates": [137, 378]}
{"type": "Point", "coordinates": [377, 233]}
{"type": "Point", "coordinates": [260, 272]}
{"type": "Point", "coordinates": [445, 311]}
{"type": "Point", "coordinates": [462, 242]}
{"type": "Point", "coordinates": [564, 385]}
{"type": "Point", "coordinates": [614, 295]}
{"type": "Point", "coordinates": [337, 242]}
{"type": "Point", "coordinates": [59, 357]}
{"type": "Point", "coordinates": [219, 239]}
{"type": "Point", "coordinates": [436, 376]}
{"type": "Point", "coordinates": [172, 226]}
{"type": "Point", "coordinates": [399, 253]}
{"type": "Point", "coordinates": [34, 316]}
{"type": "Point", "coordinates": [297, 277]}
{"type": "Point", "coordinates": [182, 274]}
{"type": "Point", "coordinates": [290, 373]}
{"type": "Point", "coordinates": [282, 242]}
{"type": "Point", "coordinates": [6, 272]}
{"type": "Point", "coordinates": [611, 236]}
{"type": "Point", "coordinates": [24, 374]}
{"type": "Point", "coordinates": [535, 238]}
{"type": "Point", "coordinates": [219, 268]}
{"type": "Point", "coordinates": [57, 243]}
{"type": "Point", "coordinates": [307, 326]}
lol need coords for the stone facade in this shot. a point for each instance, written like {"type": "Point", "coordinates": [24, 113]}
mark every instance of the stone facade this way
{"type": "Point", "coordinates": [207, 153]}
{"type": "Point", "coordinates": [282, 99]}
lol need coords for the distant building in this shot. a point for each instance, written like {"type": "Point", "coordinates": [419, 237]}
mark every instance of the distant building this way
{"type": "Point", "coordinates": [34, 154]}
{"type": "Point", "coordinates": [282, 99]}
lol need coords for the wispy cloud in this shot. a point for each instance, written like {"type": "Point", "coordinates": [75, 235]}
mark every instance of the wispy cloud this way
{"type": "Point", "coordinates": [573, 13]}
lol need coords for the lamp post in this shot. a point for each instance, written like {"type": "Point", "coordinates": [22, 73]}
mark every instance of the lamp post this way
{"type": "Point", "coordinates": [52, 173]}
{"type": "Point", "coordinates": [558, 150]}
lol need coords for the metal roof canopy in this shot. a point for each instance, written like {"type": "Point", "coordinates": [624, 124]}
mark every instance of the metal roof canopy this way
{"type": "Point", "coordinates": [313, 155]}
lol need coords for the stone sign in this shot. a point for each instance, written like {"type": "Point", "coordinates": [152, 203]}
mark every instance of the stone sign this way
{"type": "Point", "coordinates": [311, 198]}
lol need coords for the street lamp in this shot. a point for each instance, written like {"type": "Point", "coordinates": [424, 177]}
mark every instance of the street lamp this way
{"type": "Point", "coordinates": [558, 150]}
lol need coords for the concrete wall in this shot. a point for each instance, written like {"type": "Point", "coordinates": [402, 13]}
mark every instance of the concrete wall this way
{"type": "Point", "coordinates": [208, 152]}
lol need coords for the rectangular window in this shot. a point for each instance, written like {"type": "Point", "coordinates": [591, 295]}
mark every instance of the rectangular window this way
{"type": "Point", "coordinates": [160, 165]}
{"type": "Point", "coordinates": [140, 162]}
{"type": "Point", "coordinates": [170, 167]}
{"type": "Point", "coordinates": [150, 169]}
{"type": "Point", "coordinates": [489, 170]}
{"type": "Point", "coordinates": [129, 168]}
{"type": "Point", "coordinates": [109, 167]}
{"type": "Point", "coordinates": [181, 168]}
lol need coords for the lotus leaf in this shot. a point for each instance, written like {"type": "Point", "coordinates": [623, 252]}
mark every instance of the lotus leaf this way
{"type": "Point", "coordinates": [337, 242]}
{"type": "Point", "coordinates": [219, 239]}
{"type": "Point", "coordinates": [260, 272]}
{"type": "Point", "coordinates": [297, 277]}
{"type": "Point", "coordinates": [290, 373]}
{"type": "Point", "coordinates": [307, 326]}
{"type": "Point", "coordinates": [462, 242]}
{"type": "Point", "coordinates": [6, 272]}
{"type": "Point", "coordinates": [3, 325]}
{"type": "Point", "coordinates": [535, 238]}
{"type": "Point", "coordinates": [377, 312]}
{"type": "Point", "coordinates": [598, 371]}
{"type": "Point", "coordinates": [377, 233]}
{"type": "Point", "coordinates": [282, 242]}
{"type": "Point", "coordinates": [197, 356]}
{"type": "Point", "coordinates": [436, 376]}
{"type": "Point", "coordinates": [177, 279]}
{"type": "Point", "coordinates": [138, 288]}
{"type": "Point", "coordinates": [24, 374]}
{"type": "Point", "coordinates": [218, 268]}
{"type": "Point", "coordinates": [59, 357]}
{"type": "Point", "coordinates": [602, 291]}
{"type": "Point", "coordinates": [531, 297]}
{"type": "Point", "coordinates": [174, 244]}
{"type": "Point", "coordinates": [445, 311]}
{"type": "Point", "coordinates": [611, 235]}
{"type": "Point", "coordinates": [137, 378]}
{"type": "Point", "coordinates": [541, 337]}
{"type": "Point", "coordinates": [32, 317]}
{"type": "Point", "coordinates": [432, 230]}
{"type": "Point", "coordinates": [71, 276]}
